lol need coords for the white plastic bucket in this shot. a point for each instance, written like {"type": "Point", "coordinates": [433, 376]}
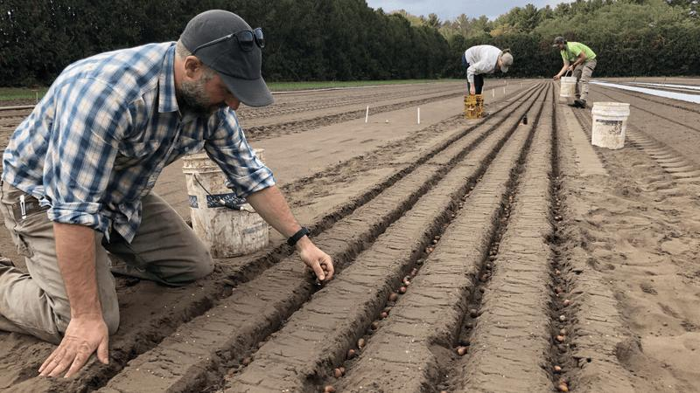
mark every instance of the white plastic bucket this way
{"type": "Point", "coordinates": [609, 124]}
{"type": "Point", "coordinates": [228, 231]}
{"type": "Point", "coordinates": [568, 88]}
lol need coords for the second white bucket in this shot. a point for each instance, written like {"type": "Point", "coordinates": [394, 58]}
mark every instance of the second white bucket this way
{"type": "Point", "coordinates": [567, 89]}
{"type": "Point", "coordinates": [224, 222]}
{"type": "Point", "coordinates": [609, 124]}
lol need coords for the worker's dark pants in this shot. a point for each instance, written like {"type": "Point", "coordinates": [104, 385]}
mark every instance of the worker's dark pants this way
{"type": "Point", "coordinates": [478, 79]}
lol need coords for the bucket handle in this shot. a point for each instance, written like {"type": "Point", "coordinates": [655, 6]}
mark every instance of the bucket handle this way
{"type": "Point", "coordinates": [569, 71]}
{"type": "Point", "coordinates": [219, 202]}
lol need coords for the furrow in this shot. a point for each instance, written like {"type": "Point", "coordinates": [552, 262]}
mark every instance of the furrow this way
{"type": "Point", "coordinates": [422, 326]}
{"type": "Point", "coordinates": [279, 291]}
{"type": "Point", "coordinates": [596, 332]}
{"type": "Point", "coordinates": [339, 315]}
{"type": "Point", "coordinates": [209, 292]}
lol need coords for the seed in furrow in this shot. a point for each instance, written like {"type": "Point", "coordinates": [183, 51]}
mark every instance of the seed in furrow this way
{"type": "Point", "coordinates": [337, 316]}
{"type": "Point", "coordinates": [513, 330]}
{"type": "Point", "coordinates": [431, 313]}
{"type": "Point", "coordinates": [182, 356]}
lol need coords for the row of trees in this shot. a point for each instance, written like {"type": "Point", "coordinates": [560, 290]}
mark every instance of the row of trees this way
{"type": "Point", "coordinates": [347, 40]}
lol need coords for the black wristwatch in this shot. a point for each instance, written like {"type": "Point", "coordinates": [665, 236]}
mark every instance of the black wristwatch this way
{"type": "Point", "coordinates": [292, 241]}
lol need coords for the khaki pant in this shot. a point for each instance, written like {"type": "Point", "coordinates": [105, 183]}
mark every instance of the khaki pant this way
{"type": "Point", "coordinates": [583, 75]}
{"type": "Point", "coordinates": [165, 250]}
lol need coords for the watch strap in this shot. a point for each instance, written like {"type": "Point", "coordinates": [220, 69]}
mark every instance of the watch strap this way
{"type": "Point", "coordinates": [292, 241]}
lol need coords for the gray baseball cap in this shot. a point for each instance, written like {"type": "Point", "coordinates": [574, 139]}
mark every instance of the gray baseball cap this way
{"type": "Point", "coordinates": [559, 40]}
{"type": "Point", "coordinates": [239, 68]}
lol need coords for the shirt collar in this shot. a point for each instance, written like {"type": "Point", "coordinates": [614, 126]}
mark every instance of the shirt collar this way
{"type": "Point", "coordinates": [167, 101]}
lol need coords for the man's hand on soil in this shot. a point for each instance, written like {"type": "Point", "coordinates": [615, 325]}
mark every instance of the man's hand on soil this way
{"type": "Point", "coordinates": [83, 337]}
{"type": "Point", "coordinates": [320, 262]}
{"type": "Point", "coordinates": [472, 90]}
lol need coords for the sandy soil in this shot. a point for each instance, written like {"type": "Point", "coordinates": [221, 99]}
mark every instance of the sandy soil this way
{"type": "Point", "coordinates": [501, 234]}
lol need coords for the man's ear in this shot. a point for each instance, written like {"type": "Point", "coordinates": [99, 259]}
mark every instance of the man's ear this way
{"type": "Point", "coordinates": [193, 67]}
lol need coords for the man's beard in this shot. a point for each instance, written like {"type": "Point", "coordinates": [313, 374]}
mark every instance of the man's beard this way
{"type": "Point", "coordinates": [192, 99]}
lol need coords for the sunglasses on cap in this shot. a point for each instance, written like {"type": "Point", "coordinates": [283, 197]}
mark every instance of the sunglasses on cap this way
{"type": "Point", "coordinates": [246, 39]}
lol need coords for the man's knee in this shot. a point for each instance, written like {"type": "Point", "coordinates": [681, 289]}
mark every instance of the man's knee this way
{"type": "Point", "coordinates": [203, 266]}
{"type": "Point", "coordinates": [197, 265]}
{"type": "Point", "coordinates": [111, 320]}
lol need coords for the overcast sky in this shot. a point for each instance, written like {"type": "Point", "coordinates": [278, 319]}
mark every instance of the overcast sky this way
{"type": "Point", "coordinates": [450, 9]}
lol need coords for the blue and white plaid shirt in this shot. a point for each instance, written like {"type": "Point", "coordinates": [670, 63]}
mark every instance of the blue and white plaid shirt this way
{"type": "Point", "coordinates": [99, 139]}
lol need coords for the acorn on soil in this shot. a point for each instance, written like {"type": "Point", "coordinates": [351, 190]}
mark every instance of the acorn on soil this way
{"type": "Point", "coordinates": [329, 389]}
{"type": "Point", "coordinates": [337, 373]}
{"type": "Point", "coordinates": [393, 296]}
{"type": "Point", "coordinates": [351, 353]}
{"type": "Point", "coordinates": [461, 351]}
{"type": "Point", "coordinates": [402, 290]}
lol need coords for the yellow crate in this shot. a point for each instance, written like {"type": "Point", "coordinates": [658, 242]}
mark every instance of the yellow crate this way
{"type": "Point", "coordinates": [473, 106]}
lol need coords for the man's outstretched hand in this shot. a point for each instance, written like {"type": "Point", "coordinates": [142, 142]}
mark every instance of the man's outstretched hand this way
{"type": "Point", "coordinates": [83, 337]}
{"type": "Point", "coordinates": [320, 262]}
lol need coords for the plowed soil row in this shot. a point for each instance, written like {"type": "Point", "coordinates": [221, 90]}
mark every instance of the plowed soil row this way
{"type": "Point", "coordinates": [141, 332]}
{"type": "Point", "coordinates": [252, 314]}
{"type": "Point", "coordinates": [299, 102]}
{"type": "Point", "coordinates": [296, 126]}
{"type": "Point", "coordinates": [338, 316]}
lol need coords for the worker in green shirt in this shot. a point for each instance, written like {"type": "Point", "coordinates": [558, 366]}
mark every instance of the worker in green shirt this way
{"type": "Point", "coordinates": [582, 61]}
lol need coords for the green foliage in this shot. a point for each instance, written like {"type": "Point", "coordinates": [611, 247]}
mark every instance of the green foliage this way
{"type": "Point", "coordinates": [317, 40]}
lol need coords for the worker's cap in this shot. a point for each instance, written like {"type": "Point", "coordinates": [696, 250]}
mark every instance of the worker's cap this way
{"type": "Point", "coordinates": [559, 40]}
{"type": "Point", "coordinates": [506, 61]}
{"type": "Point", "coordinates": [224, 42]}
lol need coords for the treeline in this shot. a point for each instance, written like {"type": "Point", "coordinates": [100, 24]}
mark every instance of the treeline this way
{"type": "Point", "coordinates": [347, 40]}
{"type": "Point", "coordinates": [307, 39]}
{"type": "Point", "coordinates": [630, 37]}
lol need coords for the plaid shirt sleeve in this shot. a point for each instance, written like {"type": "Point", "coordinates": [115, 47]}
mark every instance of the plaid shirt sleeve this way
{"type": "Point", "coordinates": [91, 119]}
{"type": "Point", "coordinates": [229, 148]}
